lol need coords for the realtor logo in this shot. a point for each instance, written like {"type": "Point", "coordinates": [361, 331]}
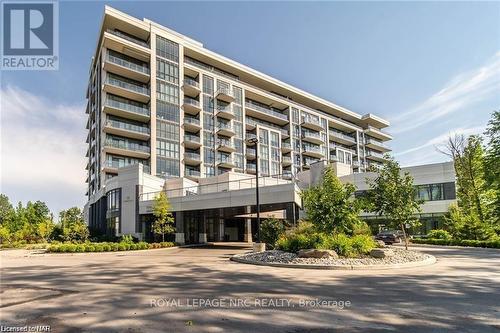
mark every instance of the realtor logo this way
{"type": "Point", "coordinates": [29, 35]}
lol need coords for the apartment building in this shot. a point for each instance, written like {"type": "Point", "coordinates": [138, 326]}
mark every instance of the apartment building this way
{"type": "Point", "coordinates": [161, 100]}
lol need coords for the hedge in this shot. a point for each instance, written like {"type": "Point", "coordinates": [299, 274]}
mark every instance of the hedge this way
{"type": "Point", "coordinates": [457, 242]}
{"type": "Point", "coordinates": [106, 247]}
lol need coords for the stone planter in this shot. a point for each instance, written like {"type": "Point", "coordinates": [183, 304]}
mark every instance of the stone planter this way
{"type": "Point", "coordinates": [259, 247]}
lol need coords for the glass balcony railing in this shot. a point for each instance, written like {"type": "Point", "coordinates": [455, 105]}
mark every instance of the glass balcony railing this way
{"type": "Point", "coordinates": [128, 64]}
{"type": "Point", "coordinates": [286, 145]}
{"type": "Point", "coordinates": [192, 138]}
{"type": "Point", "coordinates": [127, 126]}
{"type": "Point", "coordinates": [311, 135]}
{"type": "Point", "coordinates": [377, 143]}
{"type": "Point", "coordinates": [192, 156]}
{"type": "Point", "coordinates": [311, 120]}
{"type": "Point", "coordinates": [312, 149]}
{"type": "Point", "coordinates": [115, 81]}
{"type": "Point", "coordinates": [225, 143]}
{"type": "Point", "coordinates": [127, 106]}
{"type": "Point", "coordinates": [342, 136]}
{"type": "Point", "coordinates": [127, 145]}
{"type": "Point", "coordinates": [287, 159]}
{"type": "Point", "coordinates": [191, 120]}
{"type": "Point", "coordinates": [121, 164]}
{"type": "Point", "coordinates": [270, 112]}
{"type": "Point", "coordinates": [192, 173]}
{"type": "Point", "coordinates": [225, 91]}
{"type": "Point", "coordinates": [225, 109]}
{"type": "Point", "coordinates": [191, 82]}
{"type": "Point", "coordinates": [128, 37]}
{"type": "Point", "coordinates": [191, 101]}
{"type": "Point", "coordinates": [226, 160]}
{"type": "Point", "coordinates": [223, 126]}
{"type": "Point", "coordinates": [251, 167]}
{"type": "Point", "coordinates": [375, 154]}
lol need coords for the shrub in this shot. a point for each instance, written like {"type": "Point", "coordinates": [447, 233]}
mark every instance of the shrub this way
{"type": "Point", "coordinates": [361, 228]}
{"type": "Point", "coordinates": [341, 244]}
{"type": "Point", "coordinates": [70, 248]}
{"type": "Point", "coordinates": [142, 246]}
{"type": "Point", "coordinates": [439, 234]}
{"type": "Point", "coordinates": [271, 230]}
{"type": "Point", "coordinates": [80, 248]}
{"type": "Point", "coordinates": [363, 244]}
{"type": "Point", "coordinates": [121, 247]}
{"type": "Point", "coordinates": [127, 239]}
{"type": "Point", "coordinates": [167, 244]}
{"type": "Point", "coordinates": [89, 248]}
{"type": "Point", "coordinates": [106, 248]}
{"type": "Point", "coordinates": [133, 246]}
{"type": "Point", "coordinates": [99, 248]}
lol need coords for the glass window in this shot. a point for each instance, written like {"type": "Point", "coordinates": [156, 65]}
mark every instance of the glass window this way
{"type": "Point", "coordinates": [275, 168]}
{"type": "Point", "coordinates": [167, 71]}
{"type": "Point", "coordinates": [295, 115]}
{"type": "Point", "coordinates": [436, 191]}
{"type": "Point", "coordinates": [167, 167]}
{"type": "Point", "coordinates": [238, 95]}
{"type": "Point", "coordinates": [208, 155]}
{"type": "Point", "coordinates": [263, 136]}
{"type": "Point", "coordinates": [275, 139]}
{"type": "Point", "coordinates": [208, 85]}
{"type": "Point", "coordinates": [167, 130]}
{"type": "Point", "coordinates": [167, 49]}
{"type": "Point", "coordinates": [167, 111]}
{"type": "Point", "coordinates": [423, 192]}
{"type": "Point", "coordinates": [167, 148]}
{"type": "Point", "coordinates": [167, 92]}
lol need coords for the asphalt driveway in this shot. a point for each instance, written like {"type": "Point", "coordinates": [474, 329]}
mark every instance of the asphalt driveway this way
{"type": "Point", "coordinates": [200, 290]}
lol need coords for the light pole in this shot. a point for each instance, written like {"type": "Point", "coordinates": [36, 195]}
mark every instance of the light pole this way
{"type": "Point", "coordinates": [255, 141]}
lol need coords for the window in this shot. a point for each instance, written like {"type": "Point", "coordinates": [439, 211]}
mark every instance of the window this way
{"type": "Point", "coordinates": [167, 167]}
{"type": "Point", "coordinates": [208, 85]}
{"type": "Point", "coordinates": [263, 137]}
{"type": "Point", "coordinates": [238, 114]}
{"type": "Point", "coordinates": [275, 139]}
{"type": "Point", "coordinates": [208, 104]}
{"type": "Point", "coordinates": [295, 115]}
{"type": "Point", "coordinates": [167, 92]}
{"type": "Point", "coordinates": [167, 130]}
{"type": "Point", "coordinates": [238, 95]}
{"type": "Point", "coordinates": [208, 155]}
{"type": "Point", "coordinates": [167, 71]}
{"type": "Point", "coordinates": [167, 49]}
{"type": "Point", "coordinates": [167, 111]}
{"type": "Point", "coordinates": [167, 149]}
{"type": "Point", "coordinates": [275, 168]}
{"type": "Point", "coordinates": [208, 139]}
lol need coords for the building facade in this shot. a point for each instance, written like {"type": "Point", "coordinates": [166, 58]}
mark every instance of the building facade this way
{"type": "Point", "coordinates": [166, 114]}
{"type": "Point", "coordinates": [161, 99]}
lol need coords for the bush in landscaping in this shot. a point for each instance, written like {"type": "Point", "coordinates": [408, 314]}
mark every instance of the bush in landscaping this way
{"type": "Point", "coordinates": [121, 247]}
{"type": "Point", "coordinates": [457, 242]}
{"type": "Point", "coordinates": [439, 234]}
{"type": "Point", "coordinates": [271, 230]}
{"type": "Point", "coordinates": [363, 244]}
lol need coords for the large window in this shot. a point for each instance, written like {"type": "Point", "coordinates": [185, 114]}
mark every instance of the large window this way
{"type": "Point", "coordinates": [167, 92]}
{"type": "Point", "coordinates": [113, 209]}
{"type": "Point", "coordinates": [167, 71]}
{"type": "Point", "coordinates": [434, 192]}
{"type": "Point", "coordinates": [167, 49]}
{"type": "Point", "coordinates": [208, 85]}
{"type": "Point", "coordinates": [167, 111]}
{"type": "Point", "coordinates": [166, 130]}
{"type": "Point", "coordinates": [167, 149]}
{"type": "Point", "coordinates": [166, 167]}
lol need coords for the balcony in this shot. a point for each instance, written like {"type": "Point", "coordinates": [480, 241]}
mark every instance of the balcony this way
{"type": "Point", "coordinates": [225, 94]}
{"type": "Point", "coordinates": [286, 147]}
{"type": "Point", "coordinates": [128, 130]}
{"type": "Point", "coordinates": [191, 87]}
{"type": "Point", "coordinates": [117, 85]}
{"type": "Point", "coordinates": [121, 66]}
{"type": "Point", "coordinates": [313, 152]}
{"type": "Point", "coordinates": [191, 173]}
{"type": "Point", "coordinates": [251, 168]}
{"type": "Point", "coordinates": [312, 137]}
{"type": "Point", "coordinates": [250, 154]}
{"type": "Point", "coordinates": [126, 148]}
{"type": "Point", "coordinates": [226, 162]}
{"type": "Point", "coordinates": [372, 155]}
{"type": "Point", "coordinates": [192, 141]}
{"type": "Point", "coordinates": [127, 109]}
{"type": "Point", "coordinates": [311, 123]}
{"type": "Point", "coordinates": [377, 145]}
{"type": "Point", "coordinates": [287, 160]}
{"type": "Point", "coordinates": [126, 44]}
{"type": "Point", "coordinates": [226, 146]}
{"type": "Point", "coordinates": [250, 124]}
{"type": "Point", "coordinates": [341, 138]}
{"type": "Point", "coordinates": [287, 175]}
{"type": "Point", "coordinates": [192, 124]}
{"type": "Point", "coordinates": [225, 129]}
{"type": "Point", "coordinates": [267, 114]}
{"type": "Point", "coordinates": [225, 112]}
{"type": "Point", "coordinates": [377, 133]}
{"type": "Point", "coordinates": [113, 166]}
{"type": "Point", "coordinates": [191, 106]}
{"type": "Point", "coordinates": [192, 158]}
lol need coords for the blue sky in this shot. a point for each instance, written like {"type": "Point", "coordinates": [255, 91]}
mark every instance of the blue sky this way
{"type": "Point", "coordinates": [431, 68]}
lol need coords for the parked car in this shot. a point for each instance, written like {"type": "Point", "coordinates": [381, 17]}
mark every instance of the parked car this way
{"type": "Point", "coordinates": [390, 236]}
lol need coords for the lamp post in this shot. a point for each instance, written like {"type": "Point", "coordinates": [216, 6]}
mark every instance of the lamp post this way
{"type": "Point", "coordinates": [255, 141]}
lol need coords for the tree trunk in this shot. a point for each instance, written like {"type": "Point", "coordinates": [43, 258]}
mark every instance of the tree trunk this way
{"type": "Point", "coordinates": [404, 235]}
{"type": "Point", "coordinates": [162, 237]}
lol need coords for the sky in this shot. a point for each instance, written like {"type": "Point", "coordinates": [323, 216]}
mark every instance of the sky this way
{"type": "Point", "coordinates": [431, 68]}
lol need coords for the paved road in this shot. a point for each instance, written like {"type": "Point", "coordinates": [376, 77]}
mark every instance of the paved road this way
{"type": "Point", "coordinates": [113, 292]}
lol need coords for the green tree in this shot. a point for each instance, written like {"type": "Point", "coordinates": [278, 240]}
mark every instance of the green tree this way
{"type": "Point", "coordinates": [6, 209]}
{"type": "Point", "coordinates": [271, 230]}
{"type": "Point", "coordinates": [73, 225]}
{"type": "Point", "coordinates": [45, 229]}
{"type": "Point", "coordinates": [70, 216]}
{"type": "Point", "coordinates": [164, 222]}
{"type": "Point", "coordinates": [331, 205]}
{"type": "Point", "coordinates": [492, 165]}
{"type": "Point", "coordinates": [392, 195]}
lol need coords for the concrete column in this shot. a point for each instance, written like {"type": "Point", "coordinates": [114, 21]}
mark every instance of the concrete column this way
{"type": "Point", "coordinates": [202, 236]}
{"type": "Point", "coordinates": [248, 230]}
{"type": "Point", "coordinates": [179, 228]}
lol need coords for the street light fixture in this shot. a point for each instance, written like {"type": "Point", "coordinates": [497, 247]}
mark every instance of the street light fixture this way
{"type": "Point", "coordinates": [255, 141]}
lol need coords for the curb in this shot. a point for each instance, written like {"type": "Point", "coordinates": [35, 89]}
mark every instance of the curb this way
{"type": "Point", "coordinates": [425, 262]}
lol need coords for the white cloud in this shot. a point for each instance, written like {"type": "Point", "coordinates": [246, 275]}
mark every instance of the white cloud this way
{"type": "Point", "coordinates": [462, 91]}
{"type": "Point", "coordinates": [43, 149]}
{"type": "Point", "coordinates": [428, 151]}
